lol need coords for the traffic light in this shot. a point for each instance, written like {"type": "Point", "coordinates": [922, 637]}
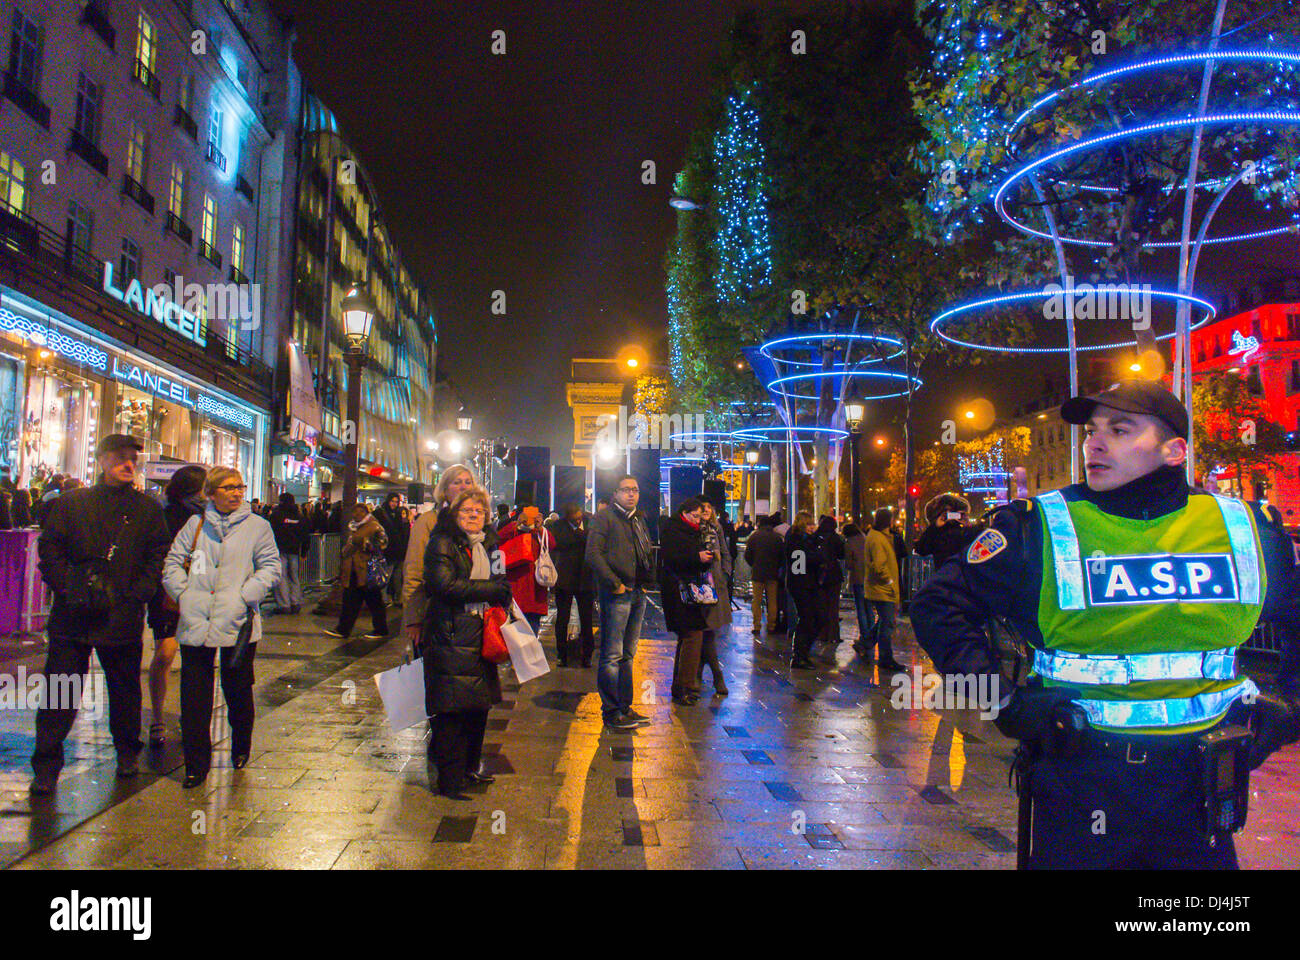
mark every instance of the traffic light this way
{"type": "Point", "coordinates": [914, 491]}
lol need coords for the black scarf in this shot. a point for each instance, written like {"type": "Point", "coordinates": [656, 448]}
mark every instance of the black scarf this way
{"type": "Point", "coordinates": [640, 540]}
{"type": "Point", "coordinates": [1150, 496]}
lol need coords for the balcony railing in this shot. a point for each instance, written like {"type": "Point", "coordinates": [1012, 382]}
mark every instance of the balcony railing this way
{"type": "Point", "coordinates": [181, 229]}
{"type": "Point", "coordinates": [182, 119]}
{"type": "Point", "coordinates": [136, 191]}
{"type": "Point", "coordinates": [82, 147]}
{"type": "Point", "coordinates": [95, 18]}
{"type": "Point", "coordinates": [210, 253]}
{"type": "Point", "coordinates": [236, 275]}
{"type": "Point", "coordinates": [26, 100]}
{"type": "Point", "coordinates": [243, 187]}
{"type": "Point", "coordinates": [216, 157]}
{"type": "Point", "coordinates": [142, 75]}
{"type": "Point", "coordinates": [24, 240]}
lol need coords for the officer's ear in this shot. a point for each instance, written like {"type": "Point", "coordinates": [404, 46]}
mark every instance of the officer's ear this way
{"type": "Point", "coordinates": [1175, 451]}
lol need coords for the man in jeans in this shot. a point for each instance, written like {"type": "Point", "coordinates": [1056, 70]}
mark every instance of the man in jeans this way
{"type": "Point", "coordinates": [619, 553]}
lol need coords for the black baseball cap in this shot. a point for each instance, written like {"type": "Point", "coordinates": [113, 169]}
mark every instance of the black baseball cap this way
{"type": "Point", "coordinates": [1131, 396]}
{"type": "Point", "coordinates": [117, 441]}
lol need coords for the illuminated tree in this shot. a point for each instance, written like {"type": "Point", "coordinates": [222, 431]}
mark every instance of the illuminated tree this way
{"type": "Point", "coordinates": [1231, 428]}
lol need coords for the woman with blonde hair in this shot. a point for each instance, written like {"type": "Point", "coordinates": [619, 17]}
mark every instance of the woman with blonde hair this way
{"type": "Point", "coordinates": [454, 481]}
{"type": "Point", "coordinates": [220, 567]}
{"type": "Point", "coordinates": [459, 685]}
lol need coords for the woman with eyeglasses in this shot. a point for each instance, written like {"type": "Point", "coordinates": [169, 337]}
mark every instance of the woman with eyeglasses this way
{"type": "Point", "coordinates": [220, 567]}
{"type": "Point", "coordinates": [459, 685]}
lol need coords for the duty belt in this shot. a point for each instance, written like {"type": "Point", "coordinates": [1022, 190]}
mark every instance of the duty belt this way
{"type": "Point", "coordinates": [1066, 667]}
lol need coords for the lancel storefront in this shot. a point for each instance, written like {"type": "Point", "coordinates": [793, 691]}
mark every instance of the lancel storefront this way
{"type": "Point", "coordinates": [64, 385]}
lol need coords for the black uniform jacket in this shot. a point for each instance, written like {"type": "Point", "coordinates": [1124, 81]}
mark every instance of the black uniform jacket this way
{"type": "Point", "coordinates": [950, 612]}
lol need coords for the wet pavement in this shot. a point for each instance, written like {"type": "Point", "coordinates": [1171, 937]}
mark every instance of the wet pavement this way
{"type": "Point", "coordinates": [810, 769]}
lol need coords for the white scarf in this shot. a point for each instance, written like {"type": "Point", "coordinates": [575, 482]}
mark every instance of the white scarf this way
{"type": "Point", "coordinates": [480, 568]}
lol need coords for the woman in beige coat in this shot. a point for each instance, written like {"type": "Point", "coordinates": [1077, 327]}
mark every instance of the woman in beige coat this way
{"type": "Point", "coordinates": [454, 481]}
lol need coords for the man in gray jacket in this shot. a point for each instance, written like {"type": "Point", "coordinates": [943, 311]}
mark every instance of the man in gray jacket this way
{"type": "Point", "coordinates": [620, 555]}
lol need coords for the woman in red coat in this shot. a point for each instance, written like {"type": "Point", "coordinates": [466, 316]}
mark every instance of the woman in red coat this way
{"type": "Point", "coordinates": [521, 543]}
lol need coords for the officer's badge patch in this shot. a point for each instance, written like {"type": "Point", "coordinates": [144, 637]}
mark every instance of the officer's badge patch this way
{"type": "Point", "coordinates": [988, 544]}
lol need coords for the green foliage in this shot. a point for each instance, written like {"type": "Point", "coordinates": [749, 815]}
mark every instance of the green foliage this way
{"type": "Point", "coordinates": [992, 59]}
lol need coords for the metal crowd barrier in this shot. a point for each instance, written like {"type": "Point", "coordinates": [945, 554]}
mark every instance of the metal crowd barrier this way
{"type": "Point", "coordinates": [1265, 640]}
{"type": "Point", "coordinates": [321, 564]}
{"type": "Point", "coordinates": [919, 569]}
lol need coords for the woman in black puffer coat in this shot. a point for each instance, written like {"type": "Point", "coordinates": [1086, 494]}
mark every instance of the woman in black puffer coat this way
{"type": "Point", "coordinates": [459, 685]}
{"type": "Point", "coordinates": [683, 557]}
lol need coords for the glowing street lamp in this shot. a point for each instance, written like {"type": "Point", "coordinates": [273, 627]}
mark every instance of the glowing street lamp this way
{"type": "Point", "coordinates": [358, 313]}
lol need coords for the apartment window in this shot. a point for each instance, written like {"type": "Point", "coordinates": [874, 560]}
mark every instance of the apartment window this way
{"type": "Point", "coordinates": [208, 228]}
{"type": "Point", "coordinates": [1293, 326]}
{"type": "Point", "coordinates": [176, 192]}
{"type": "Point", "coordinates": [13, 183]}
{"type": "Point", "coordinates": [128, 264]}
{"type": "Point", "coordinates": [1254, 385]}
{"type": "Point", "coordinates": [137, 154]}
{"type": "Point", "coordinates": [90, 107]}
{"type": "Point", "coordinates": [81, 224]}
{"type": "Point", "coordinates": [237, 247]}
{"type": "Point", "coordinates": [25, 52]}
{"type": "Point", "coordinates": [1293, 379]}
{"type": "Point", "coordinates": [169, 277]}
{"type": "Point", "coordinates": [216, 126]}
{"type": "Point", "coordinates": [185, 93]}
{"type": "Point", "coordinates": [146, 43]}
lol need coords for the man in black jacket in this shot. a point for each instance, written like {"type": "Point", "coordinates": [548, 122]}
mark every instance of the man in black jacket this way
{"type": "Point", "coordinates": [575, 583]}
{"type": "Point", "coordinates": [399, 536]}
{"type": "Point", "coordinates": [619, 553]}
{"type": "Point", "coordinates": [102, 554]}
{"type": "Point", "coordinates": [1131, 592]}
{"type": "Point", "coordinates": [804, 559]}
{"type": "Point", "coordinates": [292, 534]}
{"type": "Point", "coordinates": [765, 552]}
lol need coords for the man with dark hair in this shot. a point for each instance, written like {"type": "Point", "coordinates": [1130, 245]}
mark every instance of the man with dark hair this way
{"type": "Point", "coordinates": [291, 539]}
{"type": "Point", "coordinates": [764, 552]}
{"type": "Point", "coordinates": [621, 558]}
{"type": "Point", "coordinates": [575, 583]}
{"type": "Point", "coordinates": [102, 553]}
{"type": "Point", "coordinates": [1132, 593]}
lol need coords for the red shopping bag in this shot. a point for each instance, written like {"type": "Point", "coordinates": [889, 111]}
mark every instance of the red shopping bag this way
{"type": "Point", "coordinates": [494, 645]}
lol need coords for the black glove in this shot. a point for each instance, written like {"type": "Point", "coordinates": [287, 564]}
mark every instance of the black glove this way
{"type": "Point", "coordinates": [1275, 721]}
{"type": "Point", "coordinates": [1032, 711]}
{"type": "Point", "coordinates": [503, 595]}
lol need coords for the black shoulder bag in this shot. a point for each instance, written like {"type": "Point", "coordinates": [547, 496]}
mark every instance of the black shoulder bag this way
{"type": "Point", "coordinates": [89, 590]}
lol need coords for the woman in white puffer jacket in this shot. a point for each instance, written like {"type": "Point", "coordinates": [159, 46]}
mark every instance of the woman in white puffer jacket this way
{"type": "Point", "coordinates": [220, 567]}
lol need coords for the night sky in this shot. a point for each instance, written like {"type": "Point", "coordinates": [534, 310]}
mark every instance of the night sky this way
{"type": "Point", "coordinates": [521, 173]}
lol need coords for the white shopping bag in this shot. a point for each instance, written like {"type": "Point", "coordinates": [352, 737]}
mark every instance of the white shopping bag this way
{"type": "Point", "coordinates": [526, 653]}
{"type": "Point", "coordinates": [402, 690]}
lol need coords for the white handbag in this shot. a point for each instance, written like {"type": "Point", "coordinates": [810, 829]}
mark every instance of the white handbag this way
{"type": "Point", "coordinates": [402, 690]}
{"type": "Point", "coordinates": [544, 571]}
{"type": "Point", "coordinates": [526, 653]}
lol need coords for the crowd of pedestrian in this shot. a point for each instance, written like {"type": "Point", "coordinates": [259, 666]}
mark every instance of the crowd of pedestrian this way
{"type": "Point", "coordinates": [202, 562]}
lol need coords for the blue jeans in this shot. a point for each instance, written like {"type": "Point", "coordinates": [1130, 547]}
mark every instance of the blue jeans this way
{"type": "Point", "coordinates": [620, 626]}
{"type": "Point", "coordinates": [882, 634]}
{"type": "Point", "coordinates": [865, 622]}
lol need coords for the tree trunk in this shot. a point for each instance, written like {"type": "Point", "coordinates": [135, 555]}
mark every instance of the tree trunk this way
{"type": "Point", "coordinates": [908, 459]}
{"type": "Point", "coordinates": [776, 480]}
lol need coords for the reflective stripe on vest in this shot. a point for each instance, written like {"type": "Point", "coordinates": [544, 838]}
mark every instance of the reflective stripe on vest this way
{"type": "Point", "coordinates": [1065, 551]}
{"type": "Point", "coordinates": [1078, 668]}
{"type": "Point", "coordinates": [1166, 713]}
{"type": "Point", "coordinates": [1241, 534]}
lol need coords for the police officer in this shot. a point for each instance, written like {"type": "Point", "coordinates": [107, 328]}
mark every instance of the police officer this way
{"type": "Point", "coordinates": [1132, 593]}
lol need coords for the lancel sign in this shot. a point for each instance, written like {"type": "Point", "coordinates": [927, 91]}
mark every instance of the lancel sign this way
{"type": "Point", "coordinates": [151, 303]}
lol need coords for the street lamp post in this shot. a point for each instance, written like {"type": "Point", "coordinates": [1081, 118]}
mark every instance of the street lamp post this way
{"type": "Point", "coordinates": [853, 413]}
{"type": "Point", "coordinates": [751, 458]}
{"type": "Point", "coordinates": [358, 314]}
